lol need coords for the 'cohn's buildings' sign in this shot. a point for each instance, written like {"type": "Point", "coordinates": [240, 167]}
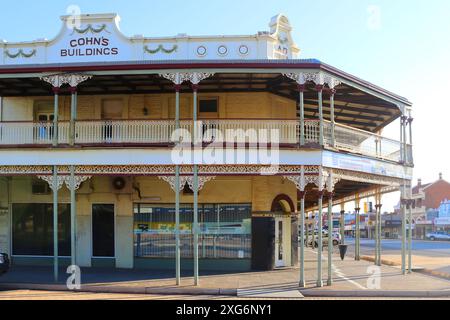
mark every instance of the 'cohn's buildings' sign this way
{"type": "Point", "coordinates": [89, 46]}
{"type": "Point", "coordinates": [97, 38]}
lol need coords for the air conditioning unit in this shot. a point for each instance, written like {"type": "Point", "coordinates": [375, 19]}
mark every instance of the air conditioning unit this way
{"type": "Point", "coordinates": [122, 185]}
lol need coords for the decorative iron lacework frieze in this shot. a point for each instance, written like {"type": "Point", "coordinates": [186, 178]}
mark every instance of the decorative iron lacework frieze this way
{"type": "Point", "coordinates": [366, 177]}
{"type": "Point", "coordinates": [65, 180]}
{"type": "Point", "coordinates": [71, 79]}
{"type": "Point", "coordinates": [180, 77]}
{"type": "Point", "coordinates": [186, 180]}
{"type": "Point", "coordinates": [319, 78]}
{"type": "Point", "coordinates": [312, 174]}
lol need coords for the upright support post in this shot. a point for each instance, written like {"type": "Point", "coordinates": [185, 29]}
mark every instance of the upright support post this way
{"type": "Point", "coordinates": [410, 120]}
{"type": "Point", "coordinates": [378, 206]}
{"type": "Point", "coordinates": [319, 89]}
{"type": "Point", "coordinates": [377, 222]}
{"type": "Point", "coordinates": [73, 114]}
{"type": "Point", "coordinates": [195, 185]}
{"type": "Point", "coordinates": [358, 229]}
{"type": "Point", "coordinates": [330, 238]}
{"type": "Point", "coordinates": [301, 90]}
{"type": "Point", "coordinates": [405, 156]}
{"type": "Point", "coordinates": [410, 235]}
{"type": "Point", "coordinates": [302, 238]}
{"type": "Point", "coordinates": [342, 226]}
{"type": "Point", "coordinates": [319, 241]}
{"type": "Point", "coordinates": [403, 204]}
{"type": "Point", "coordinates": [55, 224]}
{"type": "Point", "coordinates": [332, 118]}
{"type": "Point", "coordinates": [55, 116]}
{"type": "Point", "coordinates": [73, 215]}
{"type": "Point", "coordinates": [177, 194]}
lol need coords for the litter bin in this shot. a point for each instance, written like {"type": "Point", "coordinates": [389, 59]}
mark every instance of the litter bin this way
{"type": "Point", "coordinates": [342, 250]}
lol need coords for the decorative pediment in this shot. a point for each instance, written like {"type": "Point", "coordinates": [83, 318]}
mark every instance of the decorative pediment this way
{"type": "Point", "coordinates": [97, 38]}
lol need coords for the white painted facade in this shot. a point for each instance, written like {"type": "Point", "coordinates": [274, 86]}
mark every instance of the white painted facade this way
{"type": "Point", "coordinates": [97, 38]}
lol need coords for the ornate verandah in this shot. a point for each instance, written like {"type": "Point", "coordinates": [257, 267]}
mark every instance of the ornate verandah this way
{"type": "Point", "coordinates": [318, 182]}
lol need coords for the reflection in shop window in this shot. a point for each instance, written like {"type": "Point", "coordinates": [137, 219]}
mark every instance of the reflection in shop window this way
{"type": "Point", "coordinates": [32, 229]}
{"type": "Point", "coordinates": [225, 231]}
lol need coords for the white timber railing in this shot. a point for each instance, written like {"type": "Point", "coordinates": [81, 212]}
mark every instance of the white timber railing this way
{"type": "Point", "coordinates": [281, 131]}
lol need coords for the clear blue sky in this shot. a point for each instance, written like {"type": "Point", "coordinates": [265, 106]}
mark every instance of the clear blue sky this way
{"type": "Point", "coordinates": [401, 45]}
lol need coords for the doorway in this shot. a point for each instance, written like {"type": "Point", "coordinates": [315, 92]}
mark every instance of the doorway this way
{"type": "Point", "coordinates": [103, 231]}
{"type": "Point", "coordinates": [279, 243]}
{"type": "Point", "coordinates": [286, 235]}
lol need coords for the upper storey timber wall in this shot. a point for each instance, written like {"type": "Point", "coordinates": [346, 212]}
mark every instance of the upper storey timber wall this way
{"type": "Point", "coordinates": [97, 38]}
{"type": "Point", "coordinates": [158, 106]}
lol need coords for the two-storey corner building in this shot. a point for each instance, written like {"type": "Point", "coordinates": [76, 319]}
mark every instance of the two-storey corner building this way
{"type": "Point", "coordinates": [88, 122]}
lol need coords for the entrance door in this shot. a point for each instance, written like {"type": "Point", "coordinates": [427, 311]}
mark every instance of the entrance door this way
{"type": "Point", "coordinates": [279, 245]}
{"type": "Point", "coordinates": [103, 241]}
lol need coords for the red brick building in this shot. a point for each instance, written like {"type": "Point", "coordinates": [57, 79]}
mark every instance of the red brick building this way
{"type": "Point", "coordinates": [428, 196]}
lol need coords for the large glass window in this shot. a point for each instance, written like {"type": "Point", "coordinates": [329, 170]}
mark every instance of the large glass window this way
{"type": "Point", "coordinates": [225, 231]}
{"type": "Point", "coordinates": [32, 229]}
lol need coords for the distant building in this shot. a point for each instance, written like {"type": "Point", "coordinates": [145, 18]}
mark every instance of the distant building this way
{"type": "Point", "coordinates": [442, 222]}
{"type": "Point", "coordinates": [428, 198]}
{"type": "Point", "coordinates": [444, 209]}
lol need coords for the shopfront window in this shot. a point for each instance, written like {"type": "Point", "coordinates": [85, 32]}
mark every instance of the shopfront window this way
{"type": "Point", "coordinates": [225, 231]}
{"type": "Point", "coordinates": [32, 229]}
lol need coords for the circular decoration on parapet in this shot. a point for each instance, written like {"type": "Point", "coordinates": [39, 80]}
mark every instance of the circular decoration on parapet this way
{"type": "Point", "coordinates": [243, 49]}
{"type": "Point", "coordinates": [222, 50]}
{"type": "Point", "coordinates": [201, 51]}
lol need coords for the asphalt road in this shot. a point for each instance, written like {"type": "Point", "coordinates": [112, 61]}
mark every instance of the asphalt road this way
{"type": "Point", "coordinates": [434, 255]}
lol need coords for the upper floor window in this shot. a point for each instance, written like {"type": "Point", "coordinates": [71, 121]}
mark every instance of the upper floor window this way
{"type": "Point", "coordinates": [208, 105]}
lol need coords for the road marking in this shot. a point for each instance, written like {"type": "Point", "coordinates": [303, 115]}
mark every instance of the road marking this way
{"type": "Point", "coordinates": [341, 275]}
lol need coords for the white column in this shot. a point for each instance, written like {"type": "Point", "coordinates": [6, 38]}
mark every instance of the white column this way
{"type": "Point", "coordinates": [319, 89]}
{"type": "Point", "coordinates": [302, 239]}
{"type": "Point", "coordinates": [177, 194]}
{"type": "Point", "coordinates": [195, 225]}
{"type": "Point", "coordinates": [301, 90]}
{"type": "Point", "coordinates": [73, 215]}
{"type": "Point", "coordinates": [332, 118]}
{"type": "Point", "coordinates": [358, 228]}
{"type": "Point", "coordinates": [73, 114]}
{"type": "Point", "coordinates": [55, 224]}
{"type": "Point", "coordinates": [319, 282]}
{"type": "Point", "coordinates": [330, 237]}
{"type": "Point", "coordinates": [55, 115]}
{"type": "Point", "coordinates": [403, 203]}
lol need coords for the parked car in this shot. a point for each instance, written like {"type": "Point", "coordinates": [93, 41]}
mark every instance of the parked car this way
{"type": "Point", "coordinates": [4, 263]}
{"type": "Point", "coordinates": [438, 236]}
{"type": "Point", "coordinates": [336, 239]}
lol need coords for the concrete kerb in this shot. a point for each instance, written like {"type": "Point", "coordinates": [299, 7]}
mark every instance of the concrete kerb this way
{"type": "Point", "coordinates": [376, 293]}
{"type": "Point", "coordinates": [226, 292]}
{"type": "Point", "coordinates": [122, 289]}
{"type": "Point", "coordinates": [421, 270]}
